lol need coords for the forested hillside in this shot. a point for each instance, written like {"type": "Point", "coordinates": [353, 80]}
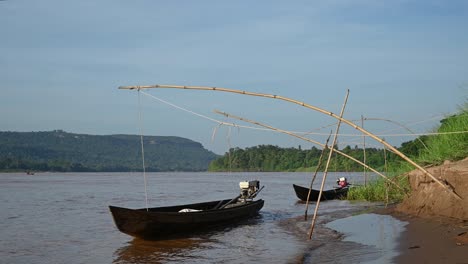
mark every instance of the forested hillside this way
{"type": "Point", "coordinates": [61, 151]}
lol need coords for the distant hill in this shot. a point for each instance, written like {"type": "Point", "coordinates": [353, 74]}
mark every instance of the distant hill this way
{"type": "Point", "coordinates": [61, 151]}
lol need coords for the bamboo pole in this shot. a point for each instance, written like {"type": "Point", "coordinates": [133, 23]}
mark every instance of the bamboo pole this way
{"type": "Point", "coordinates": [341, 119]}
{"type": "Point", "coordinates": [386, 170]}
{"type": "Point", "coordinates": [317, 205]}
{"type": "Point", "coordinates": [309, 140]}
{"type": "Point", "coordinates": [315, 174]}
{"type": "Point", "coordinates": [364, 149]}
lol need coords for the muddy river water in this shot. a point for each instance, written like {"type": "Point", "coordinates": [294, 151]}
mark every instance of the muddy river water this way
{"type": "Point", "coordinates": [64, 218]}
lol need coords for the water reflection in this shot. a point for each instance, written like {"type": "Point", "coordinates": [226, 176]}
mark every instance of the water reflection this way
{"type": "Point", "coordinates": [377, 231]}
{"type": "Point", "coordinates": [144, 251]}
{"type": "Point", "coordinates": [191, 249]}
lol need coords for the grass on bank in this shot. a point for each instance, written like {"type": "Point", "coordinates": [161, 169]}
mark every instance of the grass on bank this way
{"type": "Point", "coordinates": [448, 146]}
{"type": "Point", "coordinates": [443, 146]}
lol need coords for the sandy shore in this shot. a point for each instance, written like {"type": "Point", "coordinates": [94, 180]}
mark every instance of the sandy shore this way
{"type": "Point", "coordinates": [431, 240]}
{"type": "Point", "coordinates": [423, 240]}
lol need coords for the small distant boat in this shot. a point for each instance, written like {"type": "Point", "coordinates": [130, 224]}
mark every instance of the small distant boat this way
{"type": "Point", "coordinates": [336, 193]}
{"type": "Point", "coordinates": [178, 221]}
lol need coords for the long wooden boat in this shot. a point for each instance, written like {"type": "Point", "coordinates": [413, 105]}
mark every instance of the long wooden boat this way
{"type": "Point", "coordinates": [182, 220]}
{"type": "Point", "coordinates": [336, 193]}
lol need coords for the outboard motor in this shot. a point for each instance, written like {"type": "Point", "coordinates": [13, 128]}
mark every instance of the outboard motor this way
{"type": "Point", "coordinates": [249, 189]}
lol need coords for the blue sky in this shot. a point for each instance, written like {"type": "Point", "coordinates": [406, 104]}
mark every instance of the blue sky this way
{"type": "Point", "coordinates": [62, 61]}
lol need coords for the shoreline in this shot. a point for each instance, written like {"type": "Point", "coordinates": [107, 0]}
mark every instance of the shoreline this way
{"type": "Point", "coordinates": [430, 240]}
{"type": "Point", "coordinates": [422, 240]}
{"type": "Point", "coordinates": [330, 244]}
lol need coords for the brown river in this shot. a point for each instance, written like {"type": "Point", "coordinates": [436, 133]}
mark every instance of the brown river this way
{"type": "Point", "coordinates": [64, 218]}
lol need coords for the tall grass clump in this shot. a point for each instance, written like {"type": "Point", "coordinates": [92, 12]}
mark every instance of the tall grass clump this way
{"type": "Point", "coordinates": [447, 146]}
{"type": "Point", "coordinates": [381, 190]}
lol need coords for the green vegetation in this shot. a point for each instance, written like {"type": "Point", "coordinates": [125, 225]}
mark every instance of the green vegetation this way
{"type": "Point", "coordinates": [426, 150]}
{"type": "Point", "coordinates": [448, 146]}
{"type": "Point", "coordinates": [61, 151]}
{"type": "Point", "coordinates": [382, 190]}
{"type": "Point", "coordinates": [274, 158]}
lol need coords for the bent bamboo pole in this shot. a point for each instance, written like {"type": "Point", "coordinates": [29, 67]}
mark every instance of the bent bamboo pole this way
{"type": "Point", "coordinates": [364, 150]}
{"type": "Point", "coordinates": [206, 88]}
{"type": "Point", "coordinates": [309, 140]}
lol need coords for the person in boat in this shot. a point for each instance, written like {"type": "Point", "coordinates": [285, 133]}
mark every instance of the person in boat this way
{"type": "Point", "coordinates": [342, 182]}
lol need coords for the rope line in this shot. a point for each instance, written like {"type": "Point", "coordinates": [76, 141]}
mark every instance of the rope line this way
{"type": "Point", "coordinates": [381, 119]}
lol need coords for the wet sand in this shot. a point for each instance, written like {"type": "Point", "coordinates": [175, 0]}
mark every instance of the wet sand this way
{"type": "Point", "coordinates": [431, 240]}
{"type": "Point", "coordinates": [351, 235]}
{"type": "Point", "coordinates": [422, 240]}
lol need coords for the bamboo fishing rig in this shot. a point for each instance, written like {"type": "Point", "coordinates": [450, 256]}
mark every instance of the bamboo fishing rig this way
{"type": "Point", "coordinates": [320, 110]}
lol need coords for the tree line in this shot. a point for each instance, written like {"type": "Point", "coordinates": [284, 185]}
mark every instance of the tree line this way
{"type": "Point", "coordinates": [68, 152]}
{"type": "Point", "coordinates": [274, 158]}
{"type": "Point", "coordinates": [424, 149]}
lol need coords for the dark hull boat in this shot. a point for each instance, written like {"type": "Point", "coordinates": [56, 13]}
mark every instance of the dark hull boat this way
{"type": "Point", "coordinates": [337, 193]}
{"type": "Point", "coordinates": [173, 221]}
{"type": "Point", "coordinates": [178, 221]}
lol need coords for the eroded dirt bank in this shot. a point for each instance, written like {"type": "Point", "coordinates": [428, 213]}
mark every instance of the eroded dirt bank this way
{"type": "Point", "coordinates": [438, 221]}
{"type": "Point", "coordinates": [429, 199]}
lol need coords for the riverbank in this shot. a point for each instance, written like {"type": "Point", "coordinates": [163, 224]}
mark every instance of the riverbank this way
{"type": "Point", "coordinates": [373, 233]}
{"type": "Point", "coordinates": [346, 232]}
{"type": "Point", "coordinates": [437, 230]}
{"type": "Point", "coordinates": [365, 238]}
{"type": "Point", "coordinates": [431, 240]}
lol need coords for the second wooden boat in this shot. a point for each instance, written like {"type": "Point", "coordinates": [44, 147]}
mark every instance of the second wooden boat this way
{"type": "Point", "coordinates": [336, 193]}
